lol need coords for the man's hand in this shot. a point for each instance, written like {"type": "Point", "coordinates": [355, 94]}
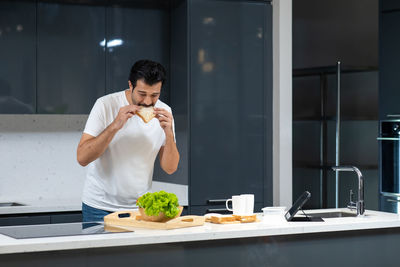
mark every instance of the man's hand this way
{"type": "Point", "coordinates": [169, 155]}
{"type": "Point", "coordinates": [165, 119]}
{"type": "Point", "coordinates": [124, 114]}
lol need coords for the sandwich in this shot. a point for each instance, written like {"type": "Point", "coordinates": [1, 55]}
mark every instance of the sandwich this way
{"type": "Point", "coordinates": [146, 113]}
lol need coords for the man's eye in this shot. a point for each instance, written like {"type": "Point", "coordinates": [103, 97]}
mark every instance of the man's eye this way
{"type": "Point", "coordinates": [142, 95]}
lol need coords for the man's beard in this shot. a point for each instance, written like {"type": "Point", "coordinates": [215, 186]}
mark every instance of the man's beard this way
{"type": "Point", "coordinates": [141, 105]}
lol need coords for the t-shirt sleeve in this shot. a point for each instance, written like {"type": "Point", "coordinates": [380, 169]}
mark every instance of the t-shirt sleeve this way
{"type": "Point", "coordinates": [95, 123]}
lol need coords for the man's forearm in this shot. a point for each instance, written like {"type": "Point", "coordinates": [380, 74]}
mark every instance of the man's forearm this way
{"type": "Point", "coordinates": [170, 158]}
{"type": "Point", "coordinates": [95, 147]}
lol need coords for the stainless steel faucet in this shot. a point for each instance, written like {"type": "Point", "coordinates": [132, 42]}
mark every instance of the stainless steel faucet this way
{"type": "Point", "coordinates": [360, 202]}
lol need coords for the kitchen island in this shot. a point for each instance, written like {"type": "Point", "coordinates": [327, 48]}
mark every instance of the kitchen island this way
{"type": "Point", "coordinates": [358, 241]}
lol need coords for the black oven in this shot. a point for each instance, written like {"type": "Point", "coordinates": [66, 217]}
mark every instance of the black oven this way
{"type": "Point", "coordinates": [389, 164]}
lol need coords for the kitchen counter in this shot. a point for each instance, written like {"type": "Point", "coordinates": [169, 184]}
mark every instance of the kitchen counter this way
{"type": "Point", "coordinates": [348, 241]}
{"type": "Point", "coordinates": [43, 206]}
{"type": "Point", "coordinates": [372, 220]}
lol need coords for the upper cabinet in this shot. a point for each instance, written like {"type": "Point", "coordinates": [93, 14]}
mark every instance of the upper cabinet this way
{"type": "Point", "coordinates": [59, 57]}
{"type": "Point", "coordinates": [389, 68]}
{"type": "Point", "coordinates": [17, 57]}
{"type": "Point", "coordinates": [133, 34]}
{"type": "Point", "coordinates": [230, 100]}
{"type": "Point", "coordinates": [70, 57]}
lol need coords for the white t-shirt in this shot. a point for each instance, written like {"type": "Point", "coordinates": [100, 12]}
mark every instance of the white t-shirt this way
{"type": "Point", "coordinates": [124, 171]}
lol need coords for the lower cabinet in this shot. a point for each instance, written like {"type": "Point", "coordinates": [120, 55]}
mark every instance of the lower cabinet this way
{"type": "Point", "coordinates": [40, 218]}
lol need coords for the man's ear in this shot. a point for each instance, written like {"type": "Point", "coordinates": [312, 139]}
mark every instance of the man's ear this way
{"type": "Point", "coordinates": [130, 85]}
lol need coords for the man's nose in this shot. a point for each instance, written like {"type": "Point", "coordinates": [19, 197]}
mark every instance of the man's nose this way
{"type": "Point", "coordinates": [147, 100]}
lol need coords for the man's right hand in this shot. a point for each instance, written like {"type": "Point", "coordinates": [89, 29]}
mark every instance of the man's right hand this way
{"type": "Point", "coordinates": [124, 114]}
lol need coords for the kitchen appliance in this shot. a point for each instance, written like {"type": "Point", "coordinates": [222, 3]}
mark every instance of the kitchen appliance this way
{"type": "Point", "coordinates": [60, 229]}
{"type": "Point", "coordinates": [389, 164]}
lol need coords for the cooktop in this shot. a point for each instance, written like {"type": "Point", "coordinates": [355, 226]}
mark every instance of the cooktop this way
{"type": "Point", "coordinates": [60, 229]}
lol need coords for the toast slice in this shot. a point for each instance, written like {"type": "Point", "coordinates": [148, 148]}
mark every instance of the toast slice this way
{"type": "Point", "coordinates": [246, 218]}
{"type": "Point", "coordinates": [146, 113]}
{"type": "Point", "coordinates": [224, 219]}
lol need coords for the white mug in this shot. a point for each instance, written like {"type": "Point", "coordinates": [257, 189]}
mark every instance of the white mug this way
{"type": "Point", "coordinates": [241, 204]}
{"type": "Point", "coordinates": [249, 203]}
{"type": "Point", "coordinates": [238, 205]}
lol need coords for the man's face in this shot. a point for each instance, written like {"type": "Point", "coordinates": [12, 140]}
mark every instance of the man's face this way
{"type": "Point", "coordinates": [145, 95]}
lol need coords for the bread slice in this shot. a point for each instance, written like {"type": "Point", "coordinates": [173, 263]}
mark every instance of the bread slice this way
{"type": "Point", "coordinates": [224, 219]}
{"type": "Point", "coordinates": [146, 113]}
{"type": "Point", "coordinates": [246, 218]}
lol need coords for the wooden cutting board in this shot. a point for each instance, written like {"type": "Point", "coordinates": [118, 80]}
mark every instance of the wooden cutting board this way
{"type": "Point", "coordinates": [132, 218]}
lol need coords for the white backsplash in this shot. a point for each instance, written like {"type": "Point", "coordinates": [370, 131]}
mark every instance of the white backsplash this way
{"type": "Point", "coordinates": [38, 159]}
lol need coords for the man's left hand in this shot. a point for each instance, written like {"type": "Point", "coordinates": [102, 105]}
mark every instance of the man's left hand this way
{"type": "Point", "coordinates": [165, 119]}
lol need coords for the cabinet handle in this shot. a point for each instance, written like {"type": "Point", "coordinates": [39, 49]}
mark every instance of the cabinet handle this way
{"type": "Point", "coordinates": [388, 139]}
{"type": "Point", "coordinates": [217, 201]}
{"type": "Point", "coordinates": [392, 200]}
{"type": "Point", "coordinates": [217, 210]}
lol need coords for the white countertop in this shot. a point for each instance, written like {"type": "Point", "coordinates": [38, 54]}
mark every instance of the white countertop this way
{"type": "Point", "coordinates": [45, 205]}
{"type": "Point", "coordinates": [208, 231]}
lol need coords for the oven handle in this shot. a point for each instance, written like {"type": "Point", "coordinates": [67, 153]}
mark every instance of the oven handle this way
{"type": "Point", "coordinates": [388, 138]}
{"type": "Point", "coordinates": [392, 200]}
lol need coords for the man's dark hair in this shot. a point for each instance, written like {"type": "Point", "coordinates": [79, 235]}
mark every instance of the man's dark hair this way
{"type": "Point", "coordinates": [151, 72]}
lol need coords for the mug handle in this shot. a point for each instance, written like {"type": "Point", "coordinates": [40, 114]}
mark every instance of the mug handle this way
{"type": "Point", "coordinates": [226, 204]}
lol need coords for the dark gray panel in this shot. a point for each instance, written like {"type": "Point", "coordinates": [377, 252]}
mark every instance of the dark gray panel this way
{"type": "Point", "coordinates": [306, 143]}
{"type": "Point", "coordinates": [358, 95]}
{"type": "Point", "coordinates": [227, 99]}
{"type": "Point", "coordinates": [306, 97]}
{"type": "Point", "coordinates": [24, 220]}
{"type": "Point", "coordinates": [268, 107]}
{"type": "Point", "coordinates": [178, 95]}
{"type": "Point", "coordinates": [307, 179]}
{"type": "Point", "coordinates": [389, 5]}
{"type": "Point", "coordinates": [358, 144]}
{"type": "Point", "coordinates": [17, 54]}
{"type": "Point", "coordinates": [389, 53]}
{"type": "Point", "coordinates": [66, 217]}
{"type": "Point", "coordinates": [71, 62]}
{"type": "Point", "coordinates": [143, 34]}
{"type": "Point", "coordinates": [327, 31]}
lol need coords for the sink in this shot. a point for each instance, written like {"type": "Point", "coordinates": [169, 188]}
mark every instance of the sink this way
{"type": "Point", "coordinates": [11, 204]}
{"type": "Point", "coordinates": [332, 214]}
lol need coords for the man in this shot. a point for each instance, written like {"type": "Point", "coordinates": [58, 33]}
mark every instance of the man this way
{"type": "Point", "coordinates": [121, 148]}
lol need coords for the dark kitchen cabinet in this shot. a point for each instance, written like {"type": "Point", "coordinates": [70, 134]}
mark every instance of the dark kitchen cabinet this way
{"type": "Point", "coordinates": [389, 5]}
{"type": "Point", "coordinates": [135, 33]}
{"type": "Point", "coordinates": [230, 100]}
{"type": "Point", "coordinates": [17, 57]}
{"type": "Point", "coordinates": [10, 220]}
{"type": "Point", "coordinates": [70, 57]}
{"type": "Point", "coordinates": [66, 217]}
{"type": "Point", "coordinates": [389, 67]}
{"type": "Point", "coordinates": [40, 218]}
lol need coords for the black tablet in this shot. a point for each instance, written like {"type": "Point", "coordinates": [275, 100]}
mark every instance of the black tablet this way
{"type": "Point", "coordinates": [297, 205]}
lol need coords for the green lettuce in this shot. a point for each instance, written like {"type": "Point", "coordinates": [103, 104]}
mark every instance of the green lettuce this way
{"type": "Point", "coordinates": [157, 202]}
